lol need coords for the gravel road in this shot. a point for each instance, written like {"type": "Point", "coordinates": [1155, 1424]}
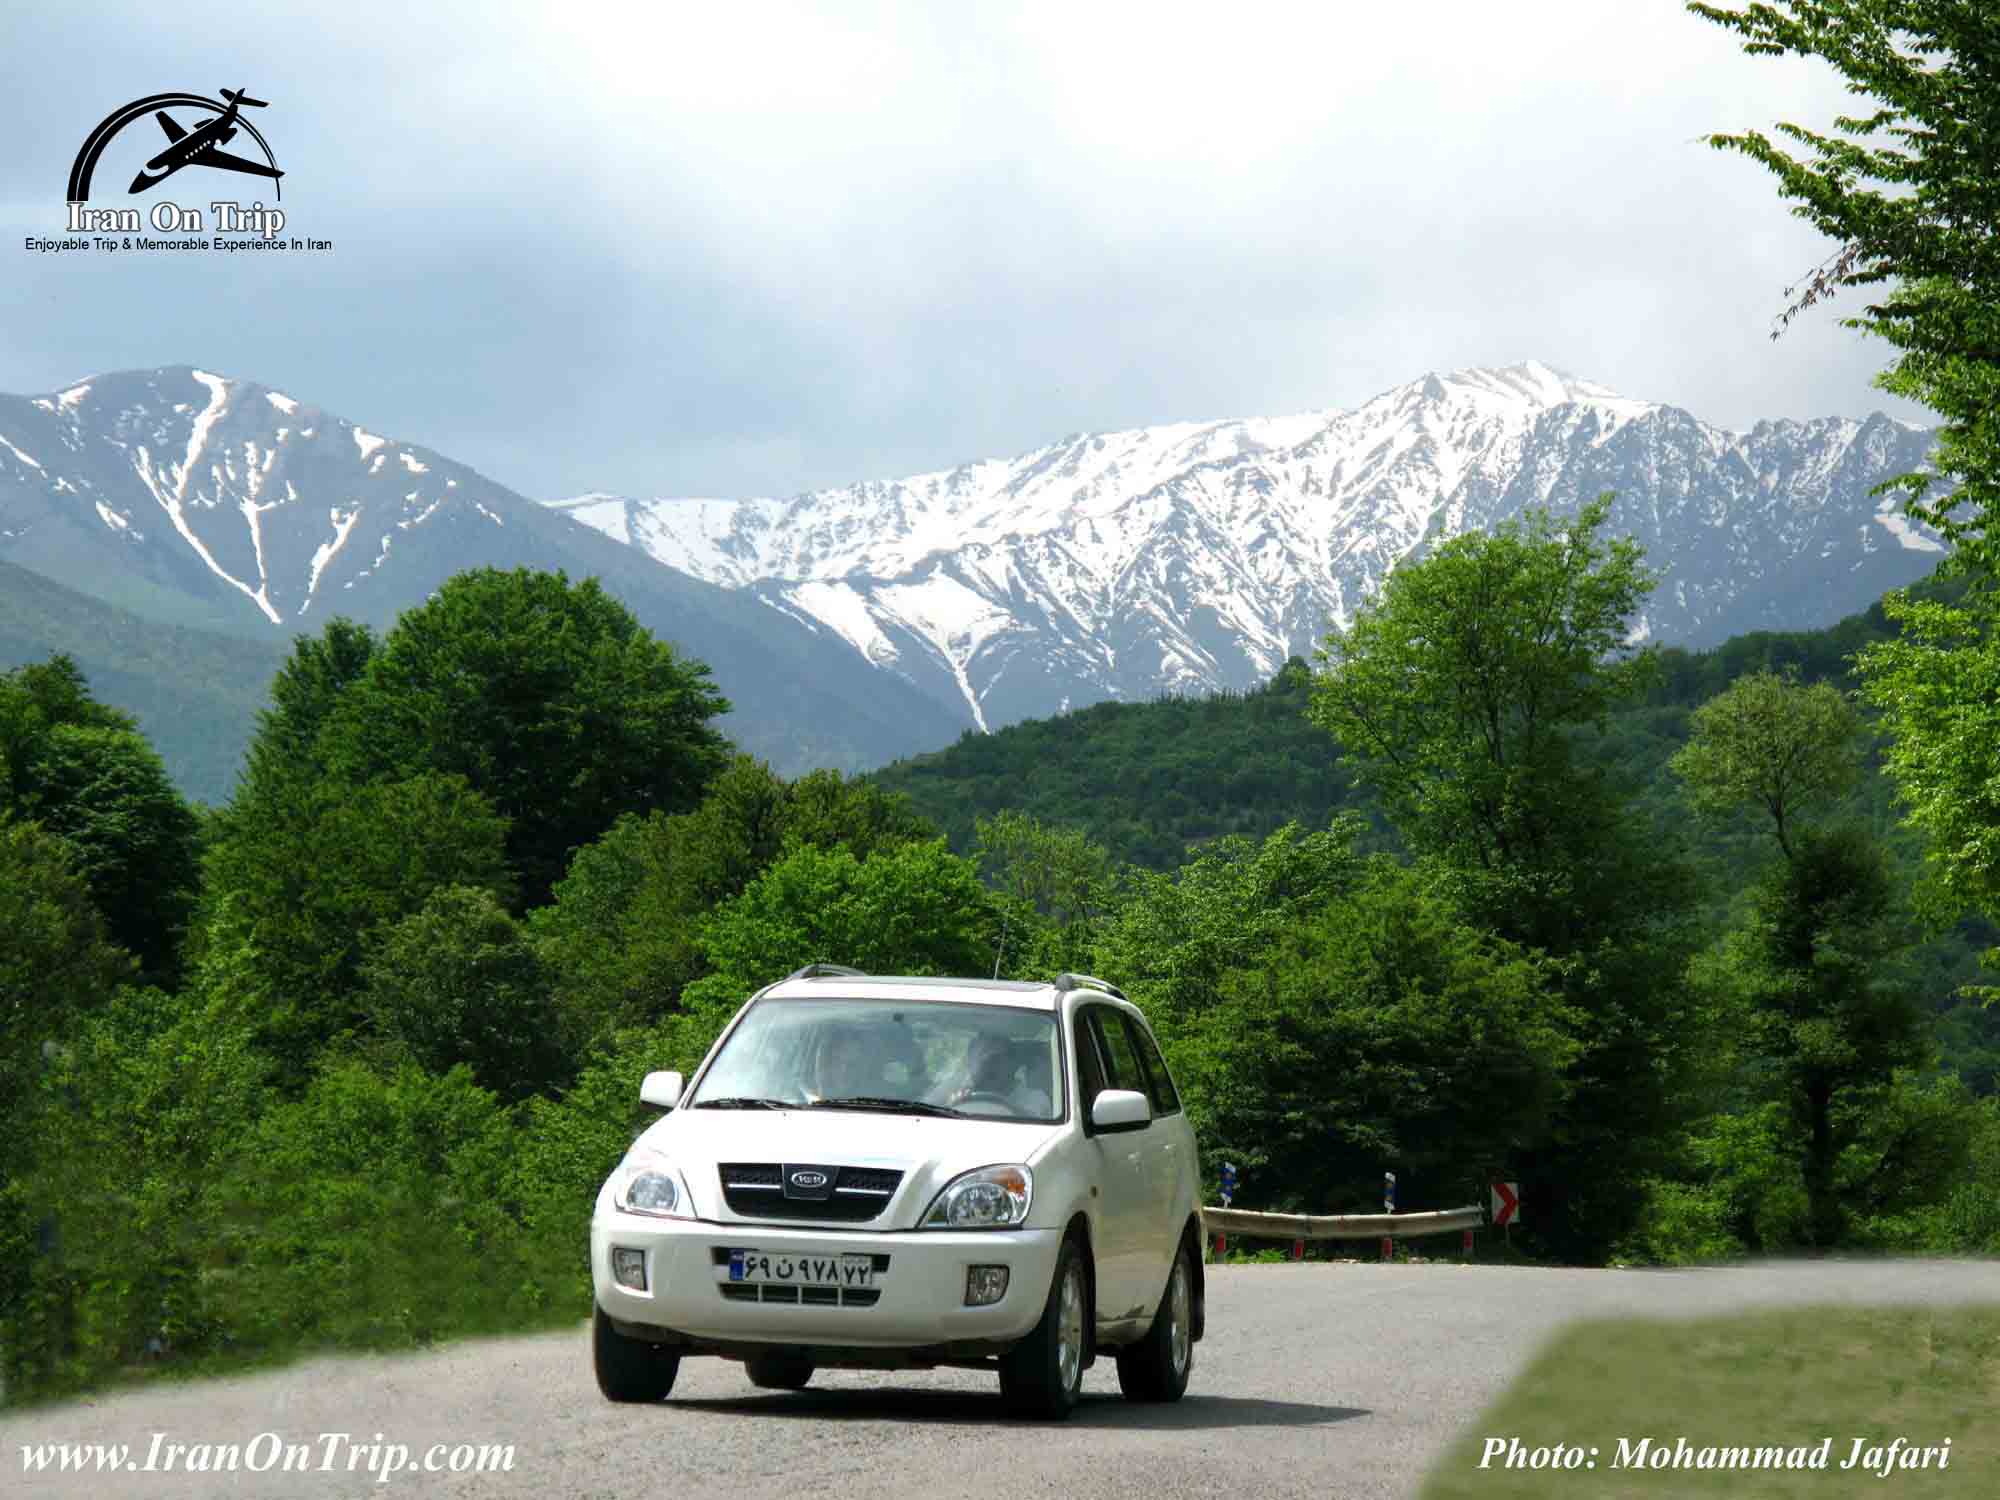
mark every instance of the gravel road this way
{"type": "Point", "coordinates": [1330, 1381]}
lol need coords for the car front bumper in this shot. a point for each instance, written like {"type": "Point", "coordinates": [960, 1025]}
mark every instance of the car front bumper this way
{"type": "Point", "coordinates": [921, 1291]}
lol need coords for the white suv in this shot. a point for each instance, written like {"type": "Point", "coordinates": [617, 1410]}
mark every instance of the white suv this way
{"type": "Point", "coordinates": [880, 1173]}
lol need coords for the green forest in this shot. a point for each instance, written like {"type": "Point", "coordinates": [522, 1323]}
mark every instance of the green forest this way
{"type": "Point", "coordinates": [1689, 944]}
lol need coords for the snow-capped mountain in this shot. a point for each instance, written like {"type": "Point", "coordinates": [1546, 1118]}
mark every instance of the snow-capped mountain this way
{"type": "Point", "coordinates": [1197, 556]}
{"type": "Point", "coordinates": [187, 497]}
{"type": "Point", "coordinates": [853, 626]}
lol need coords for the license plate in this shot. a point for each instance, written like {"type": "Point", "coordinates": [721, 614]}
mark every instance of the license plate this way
{"type": "Point", "coordinates": [801, 1270]}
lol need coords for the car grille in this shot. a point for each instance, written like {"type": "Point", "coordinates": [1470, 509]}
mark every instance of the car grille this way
{"type": "Point", "coordinates": [809, 1296]}
{"type": "Point", "coordinates": [756, 1190]}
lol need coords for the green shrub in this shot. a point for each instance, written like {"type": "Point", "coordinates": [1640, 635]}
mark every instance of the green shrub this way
{"type": "Point", "coordinates": [1682, 1225]}
{"type": "Point", "coordinates": [376, 1212]}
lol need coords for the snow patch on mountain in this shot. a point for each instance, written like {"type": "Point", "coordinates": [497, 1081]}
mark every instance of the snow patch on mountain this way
{"type": "Point", "coordinates": [1200, 555]}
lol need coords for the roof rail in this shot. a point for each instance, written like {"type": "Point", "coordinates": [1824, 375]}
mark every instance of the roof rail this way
{"type": "Point", "coordinates": [824, 971]}
{"type": "Point", "coordinates": [1068, 981]}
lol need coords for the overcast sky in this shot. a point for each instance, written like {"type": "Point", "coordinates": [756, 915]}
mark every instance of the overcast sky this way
{"type": "Point", "coordinates": [736, 250]}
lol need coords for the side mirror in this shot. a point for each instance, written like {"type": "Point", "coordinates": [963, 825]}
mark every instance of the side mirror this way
{"type": "Point", "coordinates": [663, 1089]}
{"type": "Point", "coordinates": [1121, 1109]}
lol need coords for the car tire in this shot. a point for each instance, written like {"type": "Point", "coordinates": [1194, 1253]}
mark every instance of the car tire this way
{"type": "Point", "coordinates": [630, 1369]}
{"type": "Point", "coordinates": [779, 1372]}
{"type": "Point", "coordinates": [1157, 1367]}
{"type": "Point", "coordinates": [1042, 1376]}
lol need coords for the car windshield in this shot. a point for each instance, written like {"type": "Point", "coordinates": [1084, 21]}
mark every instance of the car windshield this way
{"type": "Point", "coordinates": [915, 1057]}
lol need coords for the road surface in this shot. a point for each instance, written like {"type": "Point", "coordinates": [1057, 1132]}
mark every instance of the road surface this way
{"type": "Point", "coordinates": [1335, 1381]}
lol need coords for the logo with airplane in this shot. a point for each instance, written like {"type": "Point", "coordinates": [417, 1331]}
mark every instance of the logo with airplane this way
{"type": "Point", "coordinates": [198, 147]}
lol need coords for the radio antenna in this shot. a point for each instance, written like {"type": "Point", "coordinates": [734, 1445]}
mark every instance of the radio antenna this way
{"type": "Point", "coordinates": [1006, 917]}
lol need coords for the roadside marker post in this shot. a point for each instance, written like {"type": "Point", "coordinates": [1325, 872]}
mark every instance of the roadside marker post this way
{"type": "Point", "coordinates": [1506, 1209]}
{"type": "Point", "coordinates": [1388, 1207]}
{"type": "Point", "coordinates": [1298, 1249]}
{"type": "Point", "coordinates": [1228, 1192]}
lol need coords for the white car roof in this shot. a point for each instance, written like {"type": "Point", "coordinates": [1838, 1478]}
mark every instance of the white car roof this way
{"type": "Point", "coordinates": [1023, 994]}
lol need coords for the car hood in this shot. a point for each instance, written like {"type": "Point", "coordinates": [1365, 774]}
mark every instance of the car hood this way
{"type": "Point", "coordinates": [928, 1150]}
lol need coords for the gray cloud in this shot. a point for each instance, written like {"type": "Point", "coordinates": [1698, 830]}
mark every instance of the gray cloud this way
{"type": "Point", "coordinates": [760, 250]}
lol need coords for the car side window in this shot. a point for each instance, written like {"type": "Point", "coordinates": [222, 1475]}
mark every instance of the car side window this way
{"type": "Point", "coordinates": [1121, 1059]}
{"type": "Point", "coordinates": [1089, 1071]}
{"type": "Point", "coordinates": [1161, 1085]}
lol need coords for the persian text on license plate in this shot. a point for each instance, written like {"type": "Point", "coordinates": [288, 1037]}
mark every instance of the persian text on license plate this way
{"type": "Point", "coordinates": [802, 1270]}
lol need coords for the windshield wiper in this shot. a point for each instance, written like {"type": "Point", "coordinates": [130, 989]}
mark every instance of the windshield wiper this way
{"type": "Point", "coordinates": [743, 1101]}
{"type": "Point", "coordinates": [887, 1106]}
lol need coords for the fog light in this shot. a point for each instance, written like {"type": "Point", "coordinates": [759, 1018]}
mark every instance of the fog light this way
{"type": "Point", "coordinates": [628, 1267]}
{"type": "Point", "coordinates": [984, 1285]}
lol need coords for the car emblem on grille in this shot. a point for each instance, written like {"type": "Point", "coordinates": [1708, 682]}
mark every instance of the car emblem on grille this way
{"type": "Point", "coordinates": [808, 1180]}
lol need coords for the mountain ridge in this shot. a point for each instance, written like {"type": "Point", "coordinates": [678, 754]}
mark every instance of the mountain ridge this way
{"type": "Point", "coordinates": [224, 505]}
{"type": "Point", "coordinates": [1197, 556]}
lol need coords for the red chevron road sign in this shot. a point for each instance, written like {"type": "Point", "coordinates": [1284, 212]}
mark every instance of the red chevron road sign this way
{"type": "Point", "coordinates": [1506, 1203]}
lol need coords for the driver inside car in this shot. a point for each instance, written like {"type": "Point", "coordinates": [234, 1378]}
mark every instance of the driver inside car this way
{"type": "Point", "coordinates": [993, 1068]}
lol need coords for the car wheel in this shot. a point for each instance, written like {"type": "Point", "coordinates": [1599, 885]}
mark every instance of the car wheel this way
{"type": "Point", "coordinates": [1043, 1374]}
{"type": "Point", "coordinates": [779, 1372]}
{"type": "Point", "coordinates": [630, 1369]}
{"type": "Point", "coordinates": [1156, 1368]}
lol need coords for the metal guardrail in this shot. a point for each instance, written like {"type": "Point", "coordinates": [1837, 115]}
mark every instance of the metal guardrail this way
{"type": "Point", "coordinates": [1218, 1224]}
{"type": "Point", "coordinates": [1339, 1226]}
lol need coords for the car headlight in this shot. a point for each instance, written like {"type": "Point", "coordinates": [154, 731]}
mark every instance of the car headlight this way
{"type": "Point", "coordinates": [648, 1185]}
{"type": "Point", "coordinates": [990, 1198]}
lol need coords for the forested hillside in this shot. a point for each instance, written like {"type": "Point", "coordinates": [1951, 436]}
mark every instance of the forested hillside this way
{"type": "Point", "coordinates": [1149, 781]}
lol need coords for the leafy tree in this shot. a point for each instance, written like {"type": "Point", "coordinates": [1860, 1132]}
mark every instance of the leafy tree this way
{"type": "Point", "coordinates": [621, 938]}
{"type": "Point", "coordinates": [87, 775]}
{"type": "Point", "coordinates": [456, 982]}
{"type": "Point", "coordinates": [1826, 1008]}
{"type": "Point", "coordinates": [1377, 1032]}
{"type": "Point", "coordinates": [288, 921]}
{"type": "Point", "coordinates": [375, 1210]}
{"type": "Point", "coordinates": [56, 964]}
{"type": "Point", "coordinates": [829, 811]}
{"type": "Point", "coordinates": [121, 1133]}
{"type": "Point", "coordinates": [1938, 687]}
{"type": "Point", "coordinates": [1464, 695]}
{"type": "Point", "coordinates": [551, 702]}
{"type": "Point", "coordinates": [1175, 938]}
{"type": "Point", "coordinates": [1457, 693]}
{"type": "Point", "coordinates": [908, 909]}
{"type": "Point", "coordinates": [1058, 887]}
{"type": "Point", "coordinates": [1909, 192]}
{"type": "Point", "coordinates": [106, 793]}
{"type": "Point", "coordinates": [1831, 1012]}
{"type": "Point", "coordinates": [304, 695]}
{"type": "Point", "coordinates": [1770, 742]}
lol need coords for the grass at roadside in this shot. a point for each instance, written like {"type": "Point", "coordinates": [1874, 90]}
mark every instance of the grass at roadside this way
{"type": "Point", "coordinates": [1791, 1379]}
